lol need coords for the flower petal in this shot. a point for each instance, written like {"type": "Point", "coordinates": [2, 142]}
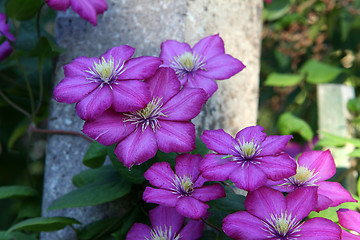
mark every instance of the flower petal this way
{"type": "Point", "coordinates": [80, 66]}
{"type": "Point", "coordinates": [120, 54]}
{"type": "Point", "coordinates": [191, 208]}
{"type": "Point", "coordinates": [345, 235]}
{"type": "Point", "coordinates": [198, 81]}
{"type": "Point", "coordinates": [100, 6]}
{"type": "Point", "coordinates": [249, 134]}
{"type": "Point", "coordinates": [139, 231]}
{"type": "Point", "coordinates": [192, 230]}
{"type": "Point", "coordinates": [323, 202]}
{"type": "Point", "coordinates": [160, 175]}
{"type": "Point", "coordinates": [209, 192]}
{"type": "Point", "coordinates": [85, 9]}
{"type": "Point", "coordinates": [278, 167]}
{"type": "Point", "coordinates": [59, 5]}
{"type": "Point", "coordinates": [219, 141]}
{"type": "Point", "coordinates": [5, 50]}
{"type": "Point", "coordinates": [168, 216]}
{"type": "Point", "coordinates": [140, 68]}
{"type": "Point", "coordinates": [188, 164]}
{"type": "Point", "coordinates": [320, 161]}
{"type": "Point", "coordinates": [349, 219]}
{"type": "Point", "coordinates": [137, 148]}
{"type": "Point", "coordinates": [274, 144]}
{"type": "Point", "coordinates": [171, 49]}
{"type": "Point", "coordinates": [337, 193]}
{"type": "Point", "coordinates": [320, 229]}
{"type": "Point", "coordinates": [214, 168]}
{"type": "Point", "coordinates": [248, 177]}
{"type": "Point", "coordinates": [301, 202]}
{"type": "Point", "coordinates": [160, 196]}
{"type": "Point", "coordinates": [209, 47]}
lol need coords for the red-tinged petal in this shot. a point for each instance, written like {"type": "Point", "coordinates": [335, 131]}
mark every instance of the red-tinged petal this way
{"type": "Point", "coordinates": [140, 68]}
{"type": "Point", "coordinates": [59, 5]}
{"type": "Point", "coordinates": [214, 168]}
{"type": "Point", "coordinates": [130, 95]}
{"type": "Point", "coordinates": [345, 235]}
{"type": "Point", "coordinates": [249, 134]}
{"type": "Point", "coordinates": [320, 161]}
{"type": "Point", "coordinates": [164, 84]}
{"type": "Point", "coordinates": [139, 231]}
{"type": "Point", "coordinates": [171, 49]}
{"type": "Point", "coordinates": [221, 67]}
{"type": "Point", "coordinates": [191, 208]}
{"type": "Point", "coordinates": [5, 50]}
{"type": "Point", "coordinates": [85, 9]}
{"type": "Point", "coordinates": [175, 136]}
{"type": "Point", "coordinates": [323, 202]}
{"type": "Point", "coordinates": [349, 219]}
{"type": "Point", "coordinates": [320, 229]}
{"type": "Point", "coordinates": [278, 167]}
{"type": "Point", "coordinates": [137, 148]}
{"type": "Point", "coordinates": [219, 141]}
{"type": "Point", "coordinates": [198, 81]}
{"type": "Point", "coordinates": [337, 193]}
{"type": "Point", "coordinates": [301, 202]}
{"type": "Point", "coordinates": [192, 230]}
{"type": "Point", "coordinates": [265, 201]}
{"type": "Point", "coordinates": [160, 196]}
{"type": "Point", "coordinates": [109, 128]}
{"type": "Point", "coordinates": [248, 177]}
{"type": "Point", "coordinates": [209, 47]}
{"type": "Point", "coordinates": [185, 105]}
{"type": "Point", "coordinates": [94, 104]}
{"type": "Point", "coordinates": [120, 54]}
{"type": "Point", "coordinates": [168, 216]}
{"type": "Point", "coordinates": [209, 192]}
{"type": "Point", "coordinates": [160, 175]}
{"type": "Point", "coordinates": [79, 67]}
{"type": "Point", "coordinates": [188, 165]}
{"type": "Point", "coordinates": [100, 6]}
{"type": "Point", "coordinates": [274, 144]}
{"type": "Point", "coordinates": [244, 226]}
{"type": "Point", "coordinates": [73, 89]}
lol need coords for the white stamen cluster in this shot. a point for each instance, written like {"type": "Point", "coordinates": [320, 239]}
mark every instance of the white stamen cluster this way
{"type": "Point", "coordinates": [283, 226]}
{"type": "Point", "coordinates": [182, 186]}
{"type": "Point", "coordinates": [187, 63]}
{"type": "Point", "coordinates": [159, 234]}
{"type": "Point", "coordinates": [247, 151]}
{"type": "Point", "coordinates": [303, 177]}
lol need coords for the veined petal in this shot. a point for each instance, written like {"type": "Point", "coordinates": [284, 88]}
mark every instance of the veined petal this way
{"type": "Point", "coordinates": [140, 68]}
{"type": "Point", "coordinates": [171, 49]}
{"type": "Point", "coordinates": [192, 230]}
{"type": "Point", "coordinates": [191, 208]}
{"type": "Point", "coordinates": [168, 216]}
{"type": "Point", "coordinates": [323, 202]}
{"type": "Point", "coordinates": [249, 134]}
{"type": "Point", "coordinates": [198, 81]}
{"type": "Point", "coordinates": [337, 193]}
{"type": "Point", "coordinates": [160, 196]}
{"type": "Point", "coordinates": [109, 128]}
{"type": "Point", "coordinates": [185, 105]}
{"type": "Point", "coordinates": [139, 231]}
{"type": "Point", "coordinates": [210, 46]}
{"type": "Point", "coordinates": [175, 136]}
{"type": "Point", "coordinates": [59, 5]}
{"type": "Point", "coordinates": [160, 175]}
{"type": "Point", "coordinates": [79, 67]}
{"type": "Point", "coordinates": [320, 229]}
{"type": "Point", "coordinates": [320, 161]}
{"type": "Point", "coordinates": [120, 53]}
{"type": "Point", "coordinates": [188, 165]}
{"type": "Point", "coordinates": [130, 95]}
{"type": "Point", "coordinates": [278, 167]}
{"type": "Point", "coordinates": [349, 219]}
{"type": "Point", "coordinates": [137, 148]}
{"type": "Point", "coordinates": [301, 202]}
{"type": "Point", "coordinates": [85, 9]}
{"type": "Point", "coordinates": [94, 104]}
{"type": "Point", "coordinates": [248, 177]}
{"type": "Point", "coordinates": [100, 6]}
{"type": "Point", "coordinates": [219, 141]}
{"type": "Point", "coordinates": [214, 168]}
{"type": "Point", "coordinates": [209, 192]}
{"type": "Point", "coordinates": [345, 235]}
{"type": "Point", "coordinates": [274, 144]}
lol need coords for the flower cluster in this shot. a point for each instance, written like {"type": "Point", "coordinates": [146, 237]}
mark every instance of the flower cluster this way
{"type": "Point", "coordinates": [5, 47]}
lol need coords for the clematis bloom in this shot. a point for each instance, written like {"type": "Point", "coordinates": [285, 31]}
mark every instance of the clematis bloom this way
{"type": "Point", "coordinates": [167, 224]}
{"type": "Point", "coordinates": [248, 160]}
{"type": "Point", "coordinates": [5, 47]}
{"type": "Point", "coordinates": [350, 220]}
{"type": "Point", "coordinates": [113, 80]}
{"type": "Point", "coordinates": [199, 66]}
{"type": "Point", "coordinates": [87, 9]}
{"type": "Point", "coordinates": [164, 123]}
{"type": "Point", "coordinates": [184, 189]}
{"type": "Point", "coordinates": [271, 215]}
{"type": "Point", "coordinates": [313, 168]}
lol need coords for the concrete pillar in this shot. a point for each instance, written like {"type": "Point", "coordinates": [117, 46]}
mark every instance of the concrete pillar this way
{"type": "Point", "coordinates": [144, 25]}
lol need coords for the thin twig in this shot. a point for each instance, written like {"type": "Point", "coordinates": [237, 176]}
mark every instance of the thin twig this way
{"type": "Point", "coordinates": [211, 225]}
{"type": "Point", "coordinates": [54, 131]}
{"type": "Point", "coordinates": [14, 105]}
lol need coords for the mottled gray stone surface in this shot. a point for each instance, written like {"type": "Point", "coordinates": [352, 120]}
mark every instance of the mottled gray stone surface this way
{"type": "Point", "coordinates": [144, 25]}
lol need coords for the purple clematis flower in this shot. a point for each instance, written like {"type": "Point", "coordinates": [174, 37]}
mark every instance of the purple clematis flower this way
{"type": "Point", "coordinates": [87, 9]}
{"type": "Point", "coordinates": [96, 84]}
{"type": "Point", "coordinates": [270, 215]}
{"type": "Point", "coordinates": [184, 189]}
{"type": "Point", "coordinates": [313, 168]}
{"type": "Point", "coordinates": [163, 124]}
{"type": "Point", "coordinates": [197, 67]}
{"type": "Point", "coordinates": [350, 220]}
{"type": "Point", "coordinates": [248, 160]}
{"type": "Point", "coordinates": [5, 47]}
{"type": "Point", "coordinates": [167, 224]}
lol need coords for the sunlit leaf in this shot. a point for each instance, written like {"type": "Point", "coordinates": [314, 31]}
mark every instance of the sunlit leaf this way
{"type": "Point", "coordinates": [283, 80]}
{"type": "Point", "coordinates": [289, 124]}
{"type": "Point", "coordinates": [319, 72]}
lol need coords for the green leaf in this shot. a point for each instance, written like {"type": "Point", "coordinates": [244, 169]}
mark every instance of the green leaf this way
{"type": "Point", "coordinates": [95, 155]}
{"type": "Point", "coordinates": [353, 105]}
{"type": "Point", "coordinates": [318, 72]}
{"type": "Point", "coordinates": [289, 124]}
{"type": "Point", "coordinates": [22, 9]}
{"type": "Point", "coordinates": [337, 141]}
{"type": "Point", "coordinates": [200, 148]}
{"type": "Point", "coordinates": [276, 9]}
{"type": "Point", "coordinates": [19, 131]}
{"type": "Point", "coordinates": [44, 224]}
{"type": "Point", "coordinates": [99, 228]}
{"type": "Point", "coordinates": [45, 48]}
{"type": "Point", "coordinates": [355, 153]}
{"type": "Point", "coordinates": [17, 236]}
{"type": "Point", "coordinates": [101, 191]}
{"type": "Point", "coordinates": [129, 220]}
{"type": "Point", "coordinates": [231, 203]}
{"type": "Point", "coordinates": [208, 235]}
{"type": "Point", "coordinates": [16, 191]}
{"type": "Point", "coordinates": [103, 174]}
{"type": "Point", "coordinates": [283, 80]}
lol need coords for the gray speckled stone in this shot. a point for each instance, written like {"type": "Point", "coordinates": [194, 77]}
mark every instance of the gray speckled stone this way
{"type": "Point", "coordinates": [144, 25]}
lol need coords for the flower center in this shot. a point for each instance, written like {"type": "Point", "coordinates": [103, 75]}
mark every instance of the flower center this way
{"type": "Point", "coordinates": [247, 150]}
{"type": "Point", "coordinates": [187, 63]}
{"type": "Point", "coordinates": [283, 226]}
{"type": "Point", "coordinates": [106, 71]}
{"type": "Point", "coordinates": [159, 234]}
{"type": "Point", "coordinates": [147, 116]}
{"type": "Point", "coordinates": [303, 176]}
{"type": "Point", "coordinates": [182, 185]}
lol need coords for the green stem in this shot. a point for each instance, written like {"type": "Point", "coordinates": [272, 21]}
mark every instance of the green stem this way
{"type": "Point", "coordinates": [41, 86]}
{"type": "Point", "coordinates": [14, 105]}
{"type": "Point", "coordinates": [38, 21]}
{"type": "Point", "coordinates": [211, 225]}
{"type": "Point", "coordinates": [74, 229]}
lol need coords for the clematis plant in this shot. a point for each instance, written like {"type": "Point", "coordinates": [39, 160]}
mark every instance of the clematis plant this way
{"type": "Point", "coordinates": [5, 47]}
{"type": "Point", "coordinates": [349, 219]}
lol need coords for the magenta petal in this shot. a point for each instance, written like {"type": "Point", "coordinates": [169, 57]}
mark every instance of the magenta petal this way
{"type": "Point", "coordinates": [59, 5]}
{"type": "Point", "coordinates": [171, 49]}
{"type": "Point", "coordinates": [94, 104]}
{"type": "Point", "coordinates": [130, 95]}
{"type": "Point", "coordinates": [140, 68]}
{"type": "Point", "coordinates": [209, 192]}
{"type": "Point", "coordinates": [198, 81]}
{"type": "Point", "coordinates": [337, 193]}
{"type": "Point", "coordinates": [164, 84]}
{"type": "Point", "coordinates": [323, 202]}
{"type": "Point", "coordinates": [222, 67]}
{"type": "Point", "coordinates": [219, 141]}
{"type": "Point", "coordinates": [264, 202]}
{"type": "Point", "coordinates": [85, 9]}
{"type": "Point", "coordinates": [74, 89]}
{"type": "Point", "coordinates": [120, 54]}
{"type": "Point", "coordinates": [160, 175]}
{"type": "Point", "coordinates": [302, 201]}
{"type": "Point", "coordinates": [243, 225]}
{"type": "Point", "coordinates": [278, 167]}
{"type": "Point", "coordinates": [248, 178]}
{"type": "Point", "coordinates": [349, 219]}
{"type": "Point", "coordinates": [160, 196]}
{"type": "Point", "coordinates": [139, 231]}
{"type": "Point", "coordinates": [249, 134]}
{"type": "Point", "coordinates": [209, 47]}
{"type": "Point", "coordinates": [320, 229]}
{"type": "Point", "coordinates": [214, 168]}
{"type": "Point", "coordinates": [79, 67]}
{"type": "Point", "coordinates": [345, 235]}
{"type": "Point", "coordinates": [108, 128]}
{"type": "Point", "coordinates": [274, 144]}
{"type": "Point", "coordinates": [176, 136]}
{"type": "Point", "coordinates": [100, 6]}
{"type": "Point", "coordinates": [5, 50]}
{"type": "Point", "coordinates": [192, 230]}
{"type": "Point", "coordinates": [191, 207]}
{"type": "Point", "coordinates": [188, 164]}
{"type": "Point", "coordinates": [320, 161]}
{"type": "Point", "coordinates": [168, 216]}
{"type": "Point", "coordinates": [137, 148]}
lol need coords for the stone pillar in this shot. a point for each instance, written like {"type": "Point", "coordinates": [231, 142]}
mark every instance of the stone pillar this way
{"type": "Point", "coordinates": [144, 25]}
